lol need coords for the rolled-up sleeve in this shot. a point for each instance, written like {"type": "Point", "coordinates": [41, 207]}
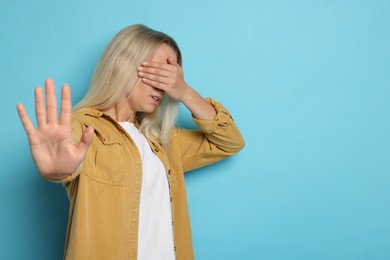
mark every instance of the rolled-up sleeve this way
{"type": "Point", "coordinates": [215, 140]}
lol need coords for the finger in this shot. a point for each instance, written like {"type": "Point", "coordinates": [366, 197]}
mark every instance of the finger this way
{"type": "Point", "coordinates": [153, 77]}
{"type": "Point", "coordinates": [86, 140]}
{"type": "Point", "coordinates": [172, 61]}
{"type": "Point", "coordinates": [66, 106]}
{"type": "Point", "coordinates": [159, 65]}
{"type": "Point", "coordinates": [155, 84]}
{"type": "Point", "coordinates": [51, 102]}
{"type": "Point", "coordinates": [40, 112]}
{"type": "Point", "coordinates": [26, 122]}
{"type": "Point", "coordinates": [156, 71]}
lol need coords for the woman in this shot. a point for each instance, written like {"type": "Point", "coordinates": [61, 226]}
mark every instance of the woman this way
{"type": "Point", "coordinates": [119, 156]}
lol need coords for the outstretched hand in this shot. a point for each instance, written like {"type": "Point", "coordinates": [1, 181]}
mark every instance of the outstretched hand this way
{"type": "Point", "coordinates": [53, 149]}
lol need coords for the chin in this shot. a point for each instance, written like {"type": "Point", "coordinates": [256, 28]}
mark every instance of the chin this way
{"type": "Point", "coordinates": [149, 110]}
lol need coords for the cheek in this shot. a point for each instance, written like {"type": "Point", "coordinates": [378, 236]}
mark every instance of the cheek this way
{"type": "Point", "coordinates": [140, 93]}
{"type": "Point", "coordinates": [140, 88]}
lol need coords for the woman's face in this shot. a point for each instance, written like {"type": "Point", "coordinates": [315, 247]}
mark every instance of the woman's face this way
{"type": "Point", "coordinates": [146, 98]}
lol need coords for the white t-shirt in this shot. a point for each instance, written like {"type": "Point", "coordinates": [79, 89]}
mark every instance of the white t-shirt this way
{"type": "Point", "coordinates": [155, 234]}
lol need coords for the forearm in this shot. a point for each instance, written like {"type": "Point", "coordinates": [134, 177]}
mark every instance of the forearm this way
{"type": "Point", "coordinates": [198, 106]}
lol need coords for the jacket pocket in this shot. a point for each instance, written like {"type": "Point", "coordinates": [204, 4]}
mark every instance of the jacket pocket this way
{"type": "Point", "coordinates": [109, 167]}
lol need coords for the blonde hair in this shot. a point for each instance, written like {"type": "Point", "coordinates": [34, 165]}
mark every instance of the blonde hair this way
{"type": "Point", "coordinates": [116, 74]}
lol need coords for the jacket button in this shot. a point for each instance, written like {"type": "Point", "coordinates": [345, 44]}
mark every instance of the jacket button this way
{"type": "Point", "coordinates": [169, 171]}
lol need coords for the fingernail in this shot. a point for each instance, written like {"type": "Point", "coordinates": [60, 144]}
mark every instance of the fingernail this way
{"type": "Point", "coordinates": [140, 68]}
{"type": "Point", "coordinates": [144, 63]}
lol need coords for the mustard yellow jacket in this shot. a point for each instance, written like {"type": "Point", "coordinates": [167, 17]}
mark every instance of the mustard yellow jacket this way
{"type": "Point", "coordinates": [104, 192]}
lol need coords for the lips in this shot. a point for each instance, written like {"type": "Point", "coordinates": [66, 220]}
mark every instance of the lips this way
{"type": "Point", "coordinates": [156, 98]}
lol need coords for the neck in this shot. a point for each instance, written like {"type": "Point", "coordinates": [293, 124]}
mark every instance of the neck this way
{"type": "Point", "coordinates": [121, 114]}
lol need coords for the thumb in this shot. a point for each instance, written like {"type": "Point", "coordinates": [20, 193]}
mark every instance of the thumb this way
{"type": "Point", "coordinates": [171, 60]}
{"type": "Point", "coordinates": [86, 140]}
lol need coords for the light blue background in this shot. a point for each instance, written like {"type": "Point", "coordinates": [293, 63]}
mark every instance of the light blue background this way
{"type": "Point", "coordinates": [308, 83]}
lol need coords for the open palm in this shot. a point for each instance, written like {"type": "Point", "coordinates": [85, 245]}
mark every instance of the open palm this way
{"type": "Point", "coordinates": [53, 149]}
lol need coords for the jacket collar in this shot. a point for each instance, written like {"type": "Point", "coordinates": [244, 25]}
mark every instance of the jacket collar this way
{"type": "Point", "coordinates": [97, 113]}
{"type": "Point", "coordinates": [92, 112]}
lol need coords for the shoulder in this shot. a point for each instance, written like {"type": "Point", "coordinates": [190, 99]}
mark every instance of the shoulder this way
{"type": "Point", "coordinates": [85, 113]}
{"type": "Point", "coordinates": [84, 117]}
{"type": "Point", "coordinates": [88, 117]}
{"type": "Point", "coordinates": [105, 128]}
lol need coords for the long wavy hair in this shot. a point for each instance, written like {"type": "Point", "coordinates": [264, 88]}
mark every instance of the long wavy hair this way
{"type": "Point", "coordinates": [116, 74]}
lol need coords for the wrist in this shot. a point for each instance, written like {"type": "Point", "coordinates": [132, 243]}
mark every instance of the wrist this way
{"type": "Point", "coordinates": [188, 95]}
